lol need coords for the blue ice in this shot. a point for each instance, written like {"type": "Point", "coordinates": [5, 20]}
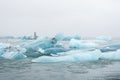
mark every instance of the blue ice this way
{"type": "Point", "coordinates": [13, 55]}
{"type": "Point", "coordinates": [55, 50]}
{"type": "Point", "coordinates": [115, 55]}
{"type": "Point", "coordinates": [12, 52]}
{"type": "Point", "coordinates": [62, 37]}
{"type": "Point", "coordinates": [80, 44]}
{"type": "Point", "coordinates": [34, 46]}
{"type": "Point", "coordinates": [3, 47]}
{"type": "Point", "coordinates": [78, 55]}
{"type": "Point", "coordinates": [71, 56]}
{"type": "Point", "coordinates": [106, 38]}
{"type": "Point", "coordinates": [111, 47]}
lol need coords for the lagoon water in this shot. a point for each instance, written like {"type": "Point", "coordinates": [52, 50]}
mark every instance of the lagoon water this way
{"type": "Point", "coordinates": [90, 70]}
{"type": "Point", "coordinates": [25, 70]}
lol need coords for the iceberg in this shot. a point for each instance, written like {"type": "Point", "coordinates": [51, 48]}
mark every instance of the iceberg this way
{"type": "Point", "coordinates": [80, 44]}
{"type": "Point", "coordinates": [62, 37]}
{"type": "Point", "coordinates": [9, 51]}
{"type": "Point", "coordinates": [13, 55]}
{"type": "Point", "coordinates": [76, 37]}
{"type": "Point", "coordinates": [115, 45]}
{"type": "Point", "coordinates": [71, 56]}
{"type": "Point", "coordinates": [106, 38]}
{"type": "Point", "coordinates": [43, 43]}
{"type": "Point", "coordinates": [112, 47]}
{"type": "Point", "coordinates": [59, 36]}
{"type": "Point", "coordinates": [111, 55]}
{"type": "Point", "coordinates": [26, 38]}
{"type": "Point", "coordinates": [3, 47]}
{"type": "Point", "coordinates": [68, 38]}
{"type": "Point", "coordinates": [2, 51]}
{"type": "Point", "coordinates": [78, 55]}
{"type": "Point", "coordinates": [13, 52]}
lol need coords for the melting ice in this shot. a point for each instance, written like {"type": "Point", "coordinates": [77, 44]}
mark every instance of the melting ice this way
{"type": "Point", "coordinates": [62, 48]}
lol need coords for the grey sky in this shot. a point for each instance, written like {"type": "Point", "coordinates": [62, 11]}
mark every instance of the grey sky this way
{"type": "Point", "coordinates": [48, 17]}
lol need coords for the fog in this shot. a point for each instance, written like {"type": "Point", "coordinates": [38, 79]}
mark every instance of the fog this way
{"type": "Point", "coordinates": [47, 17]}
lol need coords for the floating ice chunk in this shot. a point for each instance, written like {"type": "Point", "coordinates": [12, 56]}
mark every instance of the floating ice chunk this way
{"type": "Point", "coordinates": [3, 47]}
{"type": "Point", "coordinates": [59, 36]}
{"type": "Point", "coordinates": [111, 55]}
{"type": "Point", "coordinates": [55, 50]}
{"type": "Point", "coordinates": [106, 38]}
{"type": "Point", "coordinates": [81, 44]}
{"type": "Point", "coordinates": [53, 59]}
{"type": "Point", "coordinates": [2, 51]}
{"type": "Point", "coordinates": [97, 41]}
{"type": "Point", "coordinates": [115, 45]}
{"type": "Point", "coordinates": [76, 37]}
{"type": "Point", "coordinates": [12, 52]}
{"type": "Point", "coordinates": [68, 38]}
{"type": "Point", "coordinates": [42, 43]}
{"type": "Point", "coordinates": [112, 47]}
{"type": "Point", "coordinates": [71, 56]}
{"type": "Point", "coordinates": [14, 55]}
{"type": "Point", "coordinates": [26, 37]}
{"type": "Point", "coordinates": [78, 55]}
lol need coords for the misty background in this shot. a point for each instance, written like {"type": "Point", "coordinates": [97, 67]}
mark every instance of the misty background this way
{"type": "Point", "coordinates": [88, 18]}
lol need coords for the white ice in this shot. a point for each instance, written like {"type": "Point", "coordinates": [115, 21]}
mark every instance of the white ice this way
{"type": "Point", "coordinates": [71, 56]}
{"type": "Point", "coordinates": [14, 55]}
{"type": "Point", "coordinates": [106, 38]}
{"type": "Point", "coordinates": [80, 44]}
{"type": "Point", "coordinates": [78, 55]}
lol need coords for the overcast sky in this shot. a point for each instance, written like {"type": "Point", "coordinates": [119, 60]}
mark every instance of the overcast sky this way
{"type": "Point", "coordinates": [48, 17]}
